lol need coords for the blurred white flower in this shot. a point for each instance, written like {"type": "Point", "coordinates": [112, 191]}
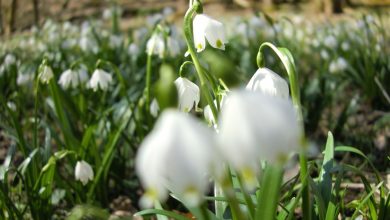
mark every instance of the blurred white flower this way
{"type": "Point", "coordinates": [115, 41]}
{"type": "Point", "coordinates": [177, 155]}
{"type": "Point", "coordinates": [345, 46]}
{"type": "Point", "coordinates": [154, 108]}
{"type": "Point", "coordinates": [256, 127]}
{"type": "Point", "coordinates": [100, 80]}
{"type": "Point", "coordinates": [210, 29]}
{"type": "Point", "coordinates": [152, 20]}
{"type": "Point", "coordinates": [330, 41]}
{"type": "Point", "coordinates": [88, 44]}
{"type": "Point", "coordinates": [24, 78]}
{"type": "Point", "coordinates": [9, 60]}
{"type": "Point", "coordinates": [107, 14]}
{"type": "Point", "coordinates": [133, 49]}
{"type": "Point", "coordinates": [73, 78]}
{"type": "Point", "coordinates": [156, 45]}
{"type": "Point", "coordinates": [173, 46]}
{"type": "Point", "coordinates": [83, 172]}
{"type": "Point", "coordinates": [324, 54]}
{"type": "Point", "coordinates": [188, 93]}
{"type": "Point", "coordinates": [338, 65]}
{"type": "Point", "coordinates": [46, 74]}
{"type": "Point", "coordinates": [208, 114]}
{"type": "Point", "coordinates": [268, 82]}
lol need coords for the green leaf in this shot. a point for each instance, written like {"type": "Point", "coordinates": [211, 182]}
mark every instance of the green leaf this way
{"type": "Point", "coordinates": [325, 177]}
{"type": "Point", "coordinates": [160, 212]}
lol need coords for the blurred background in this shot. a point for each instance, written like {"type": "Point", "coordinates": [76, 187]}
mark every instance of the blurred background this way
{"type": "Point", "coordinates": [16, 15]}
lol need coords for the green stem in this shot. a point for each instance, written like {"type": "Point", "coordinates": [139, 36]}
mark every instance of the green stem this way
{"type": "Point", "coordinates": [191, 49]}
{"type": "Point", "coordinates": [228, 190]}
{"type": "Point", "coordinates": [148, 79]}
{"type": "Point", "coordinates": [288, 62]}
{"type": "Point", "coordinates": [269, 192]}
{"type": "Point", "coordinates": [248, 199]}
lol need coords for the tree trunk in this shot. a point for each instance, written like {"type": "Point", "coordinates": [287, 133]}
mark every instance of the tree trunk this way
{"type": "Point", "coordinates": [36, 12]}
{"type": "Point", "coordinates": [333, 6]}
{"type": "Point", "coordinates": [337, 6]}
{"type": "Point", "coordinates": [12, 19]}
{"type": "Point", "coordinates": [1, 18]}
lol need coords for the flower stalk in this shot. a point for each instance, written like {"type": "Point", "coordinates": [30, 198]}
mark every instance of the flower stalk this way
{"type": "Point", "coordinates": [188, 33]}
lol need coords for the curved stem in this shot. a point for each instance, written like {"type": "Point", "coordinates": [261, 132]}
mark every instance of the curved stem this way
{"type": "Point", "coordinates": [191, 49]}
{"type": "Point", "coordinates": [288, 62]}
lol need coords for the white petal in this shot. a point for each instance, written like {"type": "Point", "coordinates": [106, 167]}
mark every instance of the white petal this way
{"type": "Point", "coordinates": [199, 25]}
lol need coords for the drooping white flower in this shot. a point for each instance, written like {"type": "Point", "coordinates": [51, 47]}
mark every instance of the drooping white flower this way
{"type": "Point", "coordinates": [24, 78]}
{"type": "Point", "coordinates": [133, 49]}
{"type": "Point", "coordinates": [100, 79]}
{"type": "Point", "coordinates": [256, 127]}
{"type": "Point", "coordinates": [154, 108]}
{"type": "Point", "coordinates": [173, 47]}
{"type": "Point", "coordinates": [207, 28]}
{"type": "Point", "coordinates": [177, 156]}
{"type": "Point", "coordinates": [83, 172]}
{"type": "Point", "coordinates": [72, 78]}
{"type": "Point", "coordinates": [208, 114]}
{"type": "Point", "coordinates": [324, 54]}
{"type": "Point", "coordinates": [345, 46]}
{"type": "Point", "coordinates": [330, 41]}
{"type": "Point", "coordinates": [188, 92]}
{"type": "Point", "coordinates": [268, 82]}
{"type": "Point", "coordinates": [156, 45]}
{"type": "Point", "coordinates": [338, 65]}
{"type": "Point", "coordinates": [9, 60]}
{"type": "Point", "coordinates": [46, 74]}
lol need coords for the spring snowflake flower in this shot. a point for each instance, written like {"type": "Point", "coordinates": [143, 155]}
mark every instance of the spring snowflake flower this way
{"type": "Point", "coordinates": [208, 114]}
{"type": "Point", "coordinates": [154, 108]}
{"type": "Point", "coordinates": [268, 82]}
{"type": "Point", "coordinates": [189, 94]}
{"type": "Point", "coordinates": [330, 41]}
{"type": "Point", "coordinates": [46, 74]}
{"type": "Point", "coordinates": [83, 172]}
{"type": "Point", "coordinates": [133, 49]}
{"type": "Point", "coordinates": [324, 54]}
{"type": "Point", "coordinates": [256, 127]}
{"type": "Point", "coordinates": [100, 79]}
{"type": "Point", "coordinates": [338, 65]}
{"type": "Point", "coordinates": [156, 45]}
{"type": "Point", "coordinates": [177, 156]}
{"type": "Point", "coordinates": [72, 78]}
{"type": "Point", "coordinates": [9, 60]}
{"type": "Point", "coordinates": [345, 46]}
{"type": "Point", "coordinates": [210, 29]}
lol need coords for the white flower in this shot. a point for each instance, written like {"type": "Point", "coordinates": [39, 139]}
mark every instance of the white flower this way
{"type": "Point", "coordinates": [156, 45]}
{"type": "Point", "coordinates": [154, 108]}
{"type": "Point", "coordinates": [345, 46]}
{"type": "Point", "coordinates": [330, 41]}
{"type": "Point", "coordinates": [115, 41]}
{"type": "Point", "coordinates": [177, 156]}
{"type": "Point", "coordinates": [46, 74]}
{"type": "Point", "coordinates": [100, 79]}
{"type": "Point", "coordinates": [133, 49]}
{"type": "Point", "coordinates": [269, 83]}
{"type": "Point", "coordinates": [72, 78]}
{"type": "Point", "coordinates": [173, 46]}
{"type": "Point", "coordinates": [188, 92]}
{"type": "Point", "coordinates": [338, 65]}
{"type": "Point", "coordinates": [256, 127]}
{"type": "Point", "coordinates": [210, 29]}
{"type": "Point", "coordinates": [83, 172]}
{"type": "Point", "coordinates": [324, 54]}
{"type": "Point", "coordinates": [208, 114]}
{"type": "Point", "coordinates": [9, 60]}
{"type": "Point", "coordinates": [24, 78]}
